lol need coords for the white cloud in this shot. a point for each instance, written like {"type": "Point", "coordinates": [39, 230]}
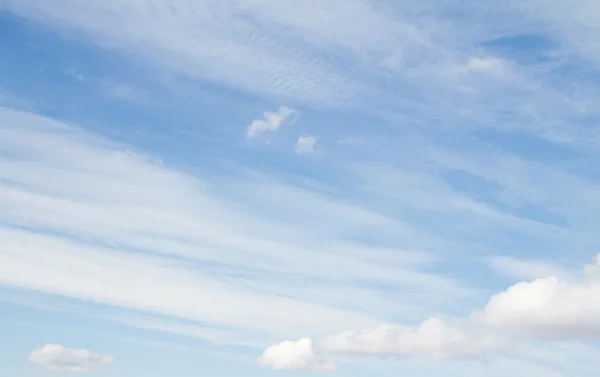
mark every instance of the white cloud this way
{"type": "Point", "coordinates": [57, 358]}
{"type": "Point", "coordinates": [272, 121]}
{"type": "Point", "coordinates": [297, 355]}
{"type": "Point", "coordinates": [306, 144]}
{"type": "Point", "coordinates": [432, 338]}
{"type": "Point", "coordinates": [485, 64]}
{"type": "Point", "coordinates": [546, 309]}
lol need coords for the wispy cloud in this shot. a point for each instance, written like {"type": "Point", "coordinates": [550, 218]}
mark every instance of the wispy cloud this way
{"type": "Point", "coordinates": [122, 215]}
{"type": "Point", "coordinates": [482, 146]}
{"type": "Point", "coordinates": [404, 75]}
{"type": "Point", "coordinates": [527, 269]}
{"type": "Point", "coordinates": [349, 141]}
{"type": "Point", "coordinates": [120, 231]}
{"type": "Point", "coordinates": [111, 88]}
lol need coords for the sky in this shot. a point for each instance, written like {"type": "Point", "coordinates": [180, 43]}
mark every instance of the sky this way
{"type": "Point", "coordinates": [300, 187]}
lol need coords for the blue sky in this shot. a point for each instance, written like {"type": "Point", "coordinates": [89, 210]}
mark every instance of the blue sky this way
{"type": "Point", "coordinates": [268, 187]}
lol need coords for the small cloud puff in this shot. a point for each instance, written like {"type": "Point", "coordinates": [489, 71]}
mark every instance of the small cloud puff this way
{"type": "Point", "coordinates": [57, 358]}
{"type": "Point", "coordinates": [306, 144]}
{"type": "Point", "coordinates": [272, 121]}
{"type": "Point", "coordinates": [290, 355]}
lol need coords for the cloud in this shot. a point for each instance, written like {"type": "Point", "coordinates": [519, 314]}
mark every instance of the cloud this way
{"type": "Point", "coordinates": [548, 308]}
{"type": "Point", "coordinates": [485, 64]}
{"type": "Point", "coordinates": [495, 67]}
{"type": "Point", "coordinates": [117, 201]}
{"type": "Point", "coordinates": [414, 187]}
{"type": "Point", "coordinates": [297, 355]}
{"type": "Point", "coordinates": [526, 269]}
{"type": "Point", "coordinates": [306, 144]}
{"type": "Point", "coordinates": [77, 75]}
{"type": "Point", "coordinates": [111, 88]}
{"type": "Point", "coordinates": [432, 338]}
{"type": "Point", "coordinates": [268, 261]}
{"type": "Point", "coordinates": [336, 64]}
{"type": "Point", "coordinates": [260, 242]}
{"type": "Point", "coordinates": [272, 121]}
{"type": "Point", "coordinates": [218, 336]}
{"type": "Point", "coordinates": [122, 91]}
{"type": "Point", "coordinates": [545, 309]}
{"type": "Point", "coordinates": [253, 55]}
{"type": "Point", "coordinates": [350, 141]}
{"type": "Point", "coordinates": [204, 232]}
{"type": "Point", "coordinates": [57, 358]}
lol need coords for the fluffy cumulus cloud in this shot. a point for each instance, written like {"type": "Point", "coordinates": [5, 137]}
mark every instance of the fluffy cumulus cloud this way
{"type": "Point", "coordinates": [272, 121]}
{"type": "Point", "coordinates": [306, 144]}
{"type": "Point", "coordinates": [299, 355]}
{"type": "Point", "coordinates": [57, 358]}
{"type": "Point", "coordinates": [546, 309]}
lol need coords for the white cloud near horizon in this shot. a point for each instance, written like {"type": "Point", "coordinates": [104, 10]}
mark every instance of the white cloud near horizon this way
{"type": "Point", "coordinates": [545, 309]}
{"type": "Point", "coordinates": [57, 358]}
